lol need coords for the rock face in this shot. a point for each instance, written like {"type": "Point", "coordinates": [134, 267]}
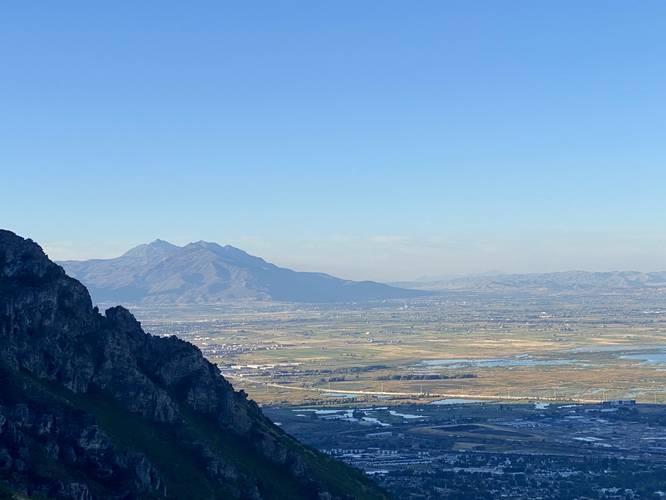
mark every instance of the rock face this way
{"type": "Point", "coordinates": [203, 272]}
{"type": "Point", "coordinates": [93, 407]}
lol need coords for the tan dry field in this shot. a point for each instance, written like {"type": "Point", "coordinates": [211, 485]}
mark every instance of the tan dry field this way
{"type": "Point", "coordinates": [506, 351]}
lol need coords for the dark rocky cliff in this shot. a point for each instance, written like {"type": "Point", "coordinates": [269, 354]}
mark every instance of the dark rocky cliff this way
{"type": "Point", "coordinates": [93, 407]}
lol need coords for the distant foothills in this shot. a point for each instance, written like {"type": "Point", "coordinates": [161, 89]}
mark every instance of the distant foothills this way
{"type": "Point", "coordinates": [205, 273]}
{"type": "Point", "coordinates": [560, 282]}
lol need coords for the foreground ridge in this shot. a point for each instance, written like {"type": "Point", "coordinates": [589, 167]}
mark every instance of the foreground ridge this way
{"type": "Point", "coordinates": [93, 407]}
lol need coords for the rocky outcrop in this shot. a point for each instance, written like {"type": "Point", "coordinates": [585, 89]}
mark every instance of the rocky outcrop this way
{"type": "Point", "coordinates": [39, 445]}
{"type": "Point", "coordinates": [93, 407]}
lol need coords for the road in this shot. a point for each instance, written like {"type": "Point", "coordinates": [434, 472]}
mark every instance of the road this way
{"type": "Point", "coordinates": [418, 395]}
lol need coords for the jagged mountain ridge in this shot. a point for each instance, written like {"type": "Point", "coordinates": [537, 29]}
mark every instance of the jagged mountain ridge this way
{"type": "Point", "coordinates": [204, 272]}
{"type": "Point", "coordinates": [93, 407]}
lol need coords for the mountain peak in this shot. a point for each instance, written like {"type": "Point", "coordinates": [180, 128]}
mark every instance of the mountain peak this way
{"type": "Point", "coordinates": [161, 243]}
{"type": "Point", "coordinates": [206, 272]}
{"type": "Point", "coordinates": [150, 250]}
{"type": "Point", "coordinates": [203, 244]}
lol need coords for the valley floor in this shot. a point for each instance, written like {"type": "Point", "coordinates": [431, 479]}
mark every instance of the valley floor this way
{"type": "Point", "coordinates": [483, 346]}
{"type": "Point", "coordinates": [522, 383]}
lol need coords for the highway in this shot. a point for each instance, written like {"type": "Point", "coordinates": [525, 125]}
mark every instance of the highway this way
{"type": "Point", "coordinates": [419, 395]}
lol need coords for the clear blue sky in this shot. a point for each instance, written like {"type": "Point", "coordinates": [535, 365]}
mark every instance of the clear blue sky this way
{"type": "Point", "coordinates": [383, 140]}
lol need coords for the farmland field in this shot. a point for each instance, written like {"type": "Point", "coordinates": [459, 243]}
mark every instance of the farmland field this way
{"type": "Point", "coordinates": [471, 345]}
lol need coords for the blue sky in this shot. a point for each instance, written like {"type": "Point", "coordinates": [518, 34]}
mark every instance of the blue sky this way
{"type": "Point", "coordinates": [384, 140]}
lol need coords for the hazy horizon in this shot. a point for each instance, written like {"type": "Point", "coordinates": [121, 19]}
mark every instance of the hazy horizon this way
{"type": "Point", "coordinates": [317, 265]}
{"type": "Point", "coordinates": [368, 141]}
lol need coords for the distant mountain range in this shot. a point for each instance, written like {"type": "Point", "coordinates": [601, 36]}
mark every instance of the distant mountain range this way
{"type": "Point", "coordinates": [561, 282]}
{"type": "Point", "coordinates": [203, 272]}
